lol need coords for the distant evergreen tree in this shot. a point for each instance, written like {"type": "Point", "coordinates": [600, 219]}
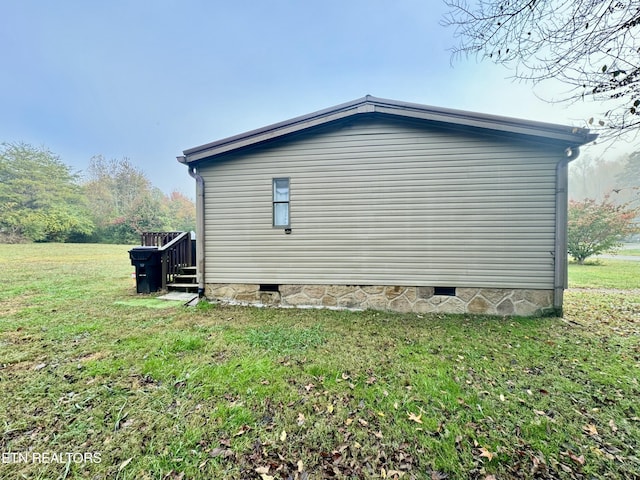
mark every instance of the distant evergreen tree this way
{"type": "Point", "coordinates": [40, 198]}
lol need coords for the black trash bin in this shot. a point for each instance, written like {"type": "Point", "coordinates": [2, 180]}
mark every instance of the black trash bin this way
{"type": "Point", "coordinates": [148, 263]}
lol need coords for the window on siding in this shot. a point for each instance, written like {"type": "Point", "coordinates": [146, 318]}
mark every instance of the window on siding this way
{"type": "Point", "coordinates": [281, 203]}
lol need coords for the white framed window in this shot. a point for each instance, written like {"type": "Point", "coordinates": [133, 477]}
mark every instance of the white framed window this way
{"type": "Point", "coordinates": [281, 203]}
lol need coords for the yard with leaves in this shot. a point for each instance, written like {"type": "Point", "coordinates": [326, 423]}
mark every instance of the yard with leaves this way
{"type": "Point", "coordinates": [87, 366]}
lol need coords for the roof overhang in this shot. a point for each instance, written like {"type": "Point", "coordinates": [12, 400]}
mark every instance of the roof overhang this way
{"type": "Point", "coordinates": [570, 136]}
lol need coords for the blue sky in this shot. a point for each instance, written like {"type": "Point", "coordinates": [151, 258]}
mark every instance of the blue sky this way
{"type": "Point", "coordinates": [147, 79]}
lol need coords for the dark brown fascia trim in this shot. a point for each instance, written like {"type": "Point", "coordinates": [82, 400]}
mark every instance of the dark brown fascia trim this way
{"type": "Point", "coordinates": [274, 131]}
{"type": "Point", "coordinates": [551, 131]}
{"type": "Point", "coordinates": [569, 135]}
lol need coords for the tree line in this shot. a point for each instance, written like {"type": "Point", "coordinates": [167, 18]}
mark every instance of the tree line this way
{"type": "Point", "coordinates": [43, 200]}
{"type": "Point", "coordinates": [616, 178]}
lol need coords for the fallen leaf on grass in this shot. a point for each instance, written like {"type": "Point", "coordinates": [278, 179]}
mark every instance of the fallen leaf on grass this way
{"type": "Point", "coordinates": [613, 426]}
{"type": "Point", "coordinates": [391, 473]}
{"type": "Point", "coordinates": [283, 436]}
{"type": "Point", "coordinates": [486, 453]}
{"type": "Point", "coordinates": [174, 476]}
{"type": "Point", "coordinates": [539, 463]}
{"type": "Point", "coordinates": [395, 473]}
{"type": "Point", "coordinates": [414, 418]}
{"type": "Point", "coordinates": [263, 472]}
{"type": "Point", "coordinates": [244, 429]}
{"type": "Point", "coordinates": [590, 429]}
{"type": "Point", "coordinates": [124, 464]}
{"type": "Point", "coordinates": [301, 419]}
{"type": "Point", "coordinates": [577, 459]}
{"type": "Point", "coordinates": [216, 452]}
{"type": "Point", "coordinates": [565, 468]}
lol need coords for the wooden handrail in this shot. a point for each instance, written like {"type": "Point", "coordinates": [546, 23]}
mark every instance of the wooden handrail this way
{"type": "Point", "coordinates": [175, 240]}
{"type": "Point", "coordinates": [158, 239]}
{"type": "Point", "coordinates": [175, 251]}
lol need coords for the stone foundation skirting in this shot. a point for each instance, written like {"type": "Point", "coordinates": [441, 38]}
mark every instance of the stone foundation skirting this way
{"type": "Point", "coordinates": [488, 301]}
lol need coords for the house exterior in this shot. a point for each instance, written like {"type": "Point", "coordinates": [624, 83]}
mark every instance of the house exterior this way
{"type": "Point", "coordinates": [387, 205]}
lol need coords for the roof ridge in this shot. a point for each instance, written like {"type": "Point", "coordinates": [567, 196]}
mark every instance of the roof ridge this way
{"type": "Point", "coordinates": [572, 136]}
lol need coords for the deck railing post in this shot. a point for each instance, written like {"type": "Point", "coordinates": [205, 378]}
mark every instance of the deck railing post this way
{"type": "Point", "coordinates": [164, 262]}
{"type": "Point", "coordinates": [174, 250]}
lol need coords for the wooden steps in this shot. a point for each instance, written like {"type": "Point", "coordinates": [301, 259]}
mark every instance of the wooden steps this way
{"type": "Point", "coordinates": [185, 281]}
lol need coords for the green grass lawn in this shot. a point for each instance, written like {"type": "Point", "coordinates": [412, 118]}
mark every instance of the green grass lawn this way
{"type": "Point", "coordinates": [89, 367]}
{"type": "Point", "coordinates": [605, 273]}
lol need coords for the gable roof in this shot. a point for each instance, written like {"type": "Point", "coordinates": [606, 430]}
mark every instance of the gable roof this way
{"type": "Point", "coordinates": [571, 136]}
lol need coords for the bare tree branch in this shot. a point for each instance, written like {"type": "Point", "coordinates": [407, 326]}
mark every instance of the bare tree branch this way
{"type": "Point", "coordinates": [592, 46]}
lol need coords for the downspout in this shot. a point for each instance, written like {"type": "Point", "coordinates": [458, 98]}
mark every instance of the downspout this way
{"type": "Point", "coordinates": [560, 252]}
{"type": "Point", "coordinates": [199, 225]}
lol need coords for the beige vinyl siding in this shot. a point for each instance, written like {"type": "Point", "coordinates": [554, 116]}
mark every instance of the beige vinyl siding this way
{"type": "Point", "coordinates": [385, 202]}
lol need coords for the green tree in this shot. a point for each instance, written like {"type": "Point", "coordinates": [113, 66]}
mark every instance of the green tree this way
{"type": "Point", "coordinates": [40, 198]}
{"type": "Point", "coordinates": [181, 212]}
{"type": "Point", "coordinates": [589, 45]}
{"type": "Point", "coordinates": [597, 227]}
{"type": "Point", "coordinates": [123, 201]}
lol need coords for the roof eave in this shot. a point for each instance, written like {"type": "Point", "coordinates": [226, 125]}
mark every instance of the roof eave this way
{"type": "Point", "coordinates": [276, 130]}
{"type": "Point", "coordinates": [561, 133]}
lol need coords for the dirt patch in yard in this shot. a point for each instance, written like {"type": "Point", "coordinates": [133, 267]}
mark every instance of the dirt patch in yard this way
{"type": "Point", "coordinates": [92, 356]}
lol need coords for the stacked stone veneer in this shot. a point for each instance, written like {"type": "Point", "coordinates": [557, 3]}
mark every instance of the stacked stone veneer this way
{"type": "Point", "coordinates": [491, 301]}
